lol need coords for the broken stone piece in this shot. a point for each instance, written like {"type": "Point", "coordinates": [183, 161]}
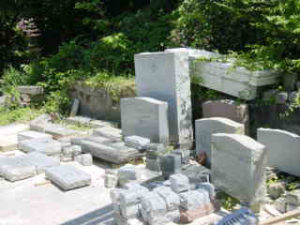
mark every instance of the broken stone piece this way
{"type": "Point", "coordinates": [68, 177]}
{"type": "Point", "coordinates": [275, 190]}
{"type": "Point", "coordinates": [45, 146]}
{"type": "Point", "coordinates": [41, 161]}
{"type": "Point", "coordinates": [179, 183]}
{"type": "Point", "coordinates": [171, 198]}
{"type": "Point", "coordinates": [84, 159]}
{"type": "Point", "coordinates": [188, 216]}
{"type": "Point", "coordinates": [27, 135]}
{"type": "Point", "coordinates": [191, 200]}
{"type": "Point", "coordinates": [184, 154]}
{"type": "Point", "coordinates": [170, 164]}
{"type": "Point", "coordinates": [137, 142]}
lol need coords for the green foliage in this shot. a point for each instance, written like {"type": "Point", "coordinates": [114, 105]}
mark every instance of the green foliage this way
{"type": "Point", "coordinates": [226, 201]}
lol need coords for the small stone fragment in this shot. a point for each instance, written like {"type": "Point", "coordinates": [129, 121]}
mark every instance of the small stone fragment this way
{"type": "Point", "coordinates": [84, 159]}
{"type": "Point", "coordinates": [179, 183]}
{"type": "Point", "coordinates": [111, 178]}
{"type": "Point", "coordinates": [275, 190]}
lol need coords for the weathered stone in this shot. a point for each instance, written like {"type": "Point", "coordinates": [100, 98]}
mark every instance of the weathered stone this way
{"type": "Point", "coordinates": [31, 90]}
{"type": "Point", "coordinates": [84, 159]}
{"type": "Point", "coordinates": [41, 161]}
{"type": "Point", "coordinates": [128, 173]}
{"type": "Point", "coordinates": [293, 197]}
{"type": "Point", "coordinates": [146, 117]}
{"type": "Point", "coordinates": [191, 200]}
{"type": "Point", "coordinates": [210, 188]}
{"type": "Point", "coordinates": [16, 168]}
{"type": "Point", "coordinates": [8, 136]}
{"type": "Point", "coordinates": [170, 197]}
{"type": "Point", "coordinates": [170, 164]}
{"type": "Point", "coordinates": [275, 190]}
{"type": "Point", "coordinates": [153, 164]}
{"type": "Point", "coordinates": [238, 166]}
{"type": "Point", "coordinates": [184, 154]}
{"type": "Point", "coordinates": [38, 123]}
{"type": "Point", "coordinates": [27, 135]}
{"type": "Point", "coordinates": [206, 127]}
{"type": "Point", "coordinates": [229, 109]}
{"type": "Point", "coordinates": [45, 146]}
{"type": "Point", "coordinates": [137, 142]}
{"type": "Point", "coordinates": [75, 107]}
{"type": "Point", "coordinates": [165, 76]}
{"type": "Point", "coordinates": [281, 205]}
{"type": "Point", "coordinates": [111, 178]}
{"type": "Point", "coordinates": [270, 95]}
{"type": "Point", "coordinates": [293, 96]}
{"type": "Point", "coordinates": [68, 177]}
{"type": "Point", "coordinates": [104, 123]}
{"type": "Point", "coordinates": [188, 216]}
{"type": "Point", "coordinates": [179, 183]}
{"type": "Point", "coordinates": [281, 97]}
{"type": "Point", "coordinates": [79, 120]}
{"type": "Point", "coordinates": [109, 132]}
{"type": "Point", "coordinates": [277, 140]}
{"type": "Point", "coordinates": [196, 173]}
{"type": "Point", "coordinates": [59, 131]}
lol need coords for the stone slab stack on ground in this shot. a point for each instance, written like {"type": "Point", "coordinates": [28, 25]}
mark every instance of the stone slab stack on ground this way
{"type": "Point", "coordinates": [204, 128]}
{"type": "Point", "coordinates": [145, 117]}
{"type": "Point", "coordinates": [16, 168]}
{"type": "Point", "coordinates": [9, 136]}
{"type": "Point", "coordinates": [165, 76]}
{"type": "Point", "coordinates": [45, 146]}
{"type": "Point", "coordinates": [137, 142]}
{"type": "Point", "coordinates": [27, 135]}
{"type": "Point", "coordinates": [68, 177]}
{"type": "Point", "coordinates": [84, 159]}
{"type": "Point", "coordinates": [229, 109]}
{"type": "Point", "coordinates": [238, 165]}
{"type": "Point", "coordinates": [40, 161]}
{"type": "Point", "coordinates": [283, 149]}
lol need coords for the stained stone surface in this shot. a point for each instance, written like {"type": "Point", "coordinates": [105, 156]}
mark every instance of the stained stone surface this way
{"type": "Point", "coordinates": [204, 128]}
{"type": "Point", "coordinates": [27, 135]}
{"type": "Point", "coordinates": [238, 164]}
{"type": "Point", "coordinates": [137, 142]}
{"type": "Point", "coordinates": [40, 122]}
{"type": "Point", "coordinates": [283, 149]}
{"type": "Point", "coordinates": [68, 177]}
{"type": "Point", "coordinates": [41, 161]}
{"type": "Point", "coordinates": [45, 146]}
{"type": "Point", "coordinates": [165, 76]}
{"type": "Point", "coordinates": [145, 117]}
{"type": "Point", "coordinates": [16, 168]}
{"type": "Point", "coordinates": [75, 107]}
{"type": "Point", "coordinates": [193, 199]}
{"type": "Point", "coordinates": [170, 197]}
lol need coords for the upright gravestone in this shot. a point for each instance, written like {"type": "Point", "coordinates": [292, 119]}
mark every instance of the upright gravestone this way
{"type": "Point", "coordinates": [145, 117]}
{"type": "Point", "coordinates": [204, 128]}
{"type": "Point", "coordinates": [238, 166]}
{"type": "Point", "coordinates": [165, 76]}
{"type": "Point", "coordinates": [283, 149]}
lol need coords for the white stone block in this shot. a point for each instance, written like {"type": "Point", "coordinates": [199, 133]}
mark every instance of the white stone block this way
{"type": "Point", "coordinates": [170, 197]}
{"type": "Point", "coordinates": [179, 183]}
{"type": "Point", "coordinates": [45, 146]}
{"type": "Point", "coordinates": [193, 199]}
{"type": "Point", "coordinates": [137, 142]}
{"type": "Point", "coordinates": [84, 159]}
{"type": "Point", "coordinates": [41, 161]}
{"type": "Point", "coordinates": [27, 135]}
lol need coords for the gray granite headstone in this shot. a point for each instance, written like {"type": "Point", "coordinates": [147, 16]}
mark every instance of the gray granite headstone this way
{"type": "Point", "coordinates": [145, 117]}
{"type": "Point", "coordinates": [283, 149]}
{"type": "Point", "coordinates": [165, 76]}
{"type": "Point", "coordinates": [238, 164]}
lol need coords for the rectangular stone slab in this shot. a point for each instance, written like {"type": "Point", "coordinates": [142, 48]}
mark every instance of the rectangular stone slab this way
{"type": "Point", "coordinates": [108, 132]}
{"type": "Point", "coordinates": [27, 135]}
{"type": "Point", "coordinates": [48, 147]}
{"type": "Point", "coordinates": [16, 168]}
{"type": "Point", "coordinates": [8, 136]}
{"type": "Point", "coordinates": [41, 161]}
{"type": "Point", "coordinates": [68, 177]}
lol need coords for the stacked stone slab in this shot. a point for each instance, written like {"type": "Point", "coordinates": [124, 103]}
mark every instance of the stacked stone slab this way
{"type": "Point", "coordinates": [204, 128]}
{"type": "Point", "coordinates": [228, 109]}
{"type": "Point", "coordinates": [283, 149]}
{"type": "Point", "coordinates": [111, 178]}
{"type": "Point", "coordinates": [9, 136]}
{"type": "Point", "coordinates": [146, 117]}
{"type": "Point", "coordinates": [40, 161]}
{"type": "Point", "coordinates": [27, 135]}
{"type": "Point", "coordinates": [238, 164]}
{"type": "Point", "coordinates": [165, 76]}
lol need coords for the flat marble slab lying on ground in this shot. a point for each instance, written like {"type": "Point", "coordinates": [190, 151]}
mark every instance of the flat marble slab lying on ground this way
{"type": "Point", "coordinates": [86, 121]}
{"type": "Point", "coordinates": [8, 136]}
{"type": "Point", "coordinates": [48, 147]}
{"type": "Point", "coordinates": [40, 161]}
{"type": "Point", "coordinates": [68, 177]}
{"type": "Point", "coordinates": [30, 134]}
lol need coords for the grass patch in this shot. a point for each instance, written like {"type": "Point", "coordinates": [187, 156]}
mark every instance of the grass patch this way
{"type": "Point", "coordinates": [20, 115]}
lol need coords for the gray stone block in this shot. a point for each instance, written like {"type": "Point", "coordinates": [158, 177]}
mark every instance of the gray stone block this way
{"type": "Point", "coordinates": [109, 132]}
{"type": "Point", "coordinates": [204, 128]}
{"type": "Point", "coordinates": [111, 178]}
{"type": "Point", "coordinates": [128, 173]}
{"type": "Point", "coordinates": [165, 76]}
{"type": "Point", "coordinates": [196, 173]}
{"type": "Point", "coordinates": [41, 161]}
{"type": "Point", "coordinates": [153, 164]}
{"type": "Point", "coordinates": [27, 135]}
{"type": "Point", "coordinates": [184, 154]}
{"type": "Point", "coordinates": [146, 117]}
{"type": "Point", "coordinates": [84, 159]}
{"type": "Point", "coordinates": [179, 183]}
{"type": "Point", "coordinates": [210, 188]}
{"type": "Point", "coordinates": [68, 177]}
{"type": "Point", "coordinates": [137, 142]}
{"type": "Point", "coordinates": [193, 199]}
{"type": "Point", "coordinates": [45, 146]}
{"type": "Point", "coordinates": [31, 90]}
{"type": "Point", "coordinates": [238, 164]}
{"type": "Point", "coordinates": [170, 197]}
{"type": "Point", "coordinates": [170, 164]}
{"type": "Point", "coordinates": [283, 149]}
{"type": "Point", "coordinates": [16, 168]}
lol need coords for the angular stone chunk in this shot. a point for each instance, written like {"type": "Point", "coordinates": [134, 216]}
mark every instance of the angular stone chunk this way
{"type": "Point", "coordinates": [193, 199]}
{"type": "Point", "coordinates": [109, 132]}
{"type": "Point", "coordinates": [238, 164]}
{"type": "Point", "coordinates": [16, 168]}
{"type": "Point", "coordinates": [27, 135]}
{"type": "Point", "coordinates": [283, 149]}
{"type": "Point", "coordinates": [40, 122]}
{"type": "Point", "coordinates": [84, 159]}
{"type": "Point", "coordinates": [171, 198]}
{"type": "Point", "coordinates": [8, 136]}
{"type": "Point", "coordinates": [204, 128]}
{"type": "Point", "coordinates": [68, 177]}
{"type": "Point", "coordinates": [145, 117]}
{"type": "Point", "coordinates": [41, 161]}
{"type": "Point", "coordinates": [170, 164]}
{"type": "Point", "coordinates": [45, 146]}
{"type": "Point", "coordinates": [165, 76]}
{"type": "Point", "coordinates": [179, 183]}
{"type": "Point", "coordinates": [137, 142]}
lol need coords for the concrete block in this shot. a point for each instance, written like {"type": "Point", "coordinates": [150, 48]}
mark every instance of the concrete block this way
{"type": "Point", "coordinates": [111, 178]}
{"type": "Point", "coordinates": [27, 135]}
{"type": "Point", "coordinates": [165, 76]}
{"type": "Point", "coordinates": [283, 149]}
{"type": "Point", "coordinates": [45, 146]}
{"type": "Point", "coordinates": [204, 128]}
{"type": "Point", "coordinates": [16, 168]}
{"type": "Point", "coordinates": [238, 164]}
{"type": "Point", "coordinates": [146, 117]}
{"type": "Point", "coordinates": [68, 177]}
{"type": "Point", "coordinates": [179, 183]}
{"type": "Point", "coordinates": [170, 164]}
{"type": "Point", "coordinates": [84, 159]}
{"type": "Point", "coordinates": [41, 161]}
{"type": "Point", "coordinates": [128, 173]}
{"type": "Point", "coordinates": [137, 142]}
{"type": "Point", "coordinates": [188, 216]}
{"type": "Point", "coordinates": [191, 200]}
{"type": "Point", "coordinates": [229, 109]}
{"type": "Point", "coordinates": [170, 197]}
